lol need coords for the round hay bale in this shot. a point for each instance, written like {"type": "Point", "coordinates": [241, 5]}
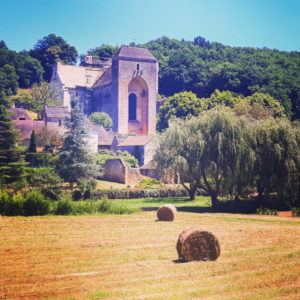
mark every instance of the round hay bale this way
{"type": "Point", "coordinates": [166, 212]}
{"type": "Point", "coordinates": [197, 244]}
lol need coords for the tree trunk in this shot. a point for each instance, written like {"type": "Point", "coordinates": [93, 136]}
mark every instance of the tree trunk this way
{"type": "Point", "coordinates": [192, 194]}
{"type": "Point", "coordinates": [214, 199]}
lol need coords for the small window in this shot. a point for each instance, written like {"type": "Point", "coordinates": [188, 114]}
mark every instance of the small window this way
{"type": "Point", "coordinates": [138, 67]}
{"type": "Point", "coordinates": [132, 107]}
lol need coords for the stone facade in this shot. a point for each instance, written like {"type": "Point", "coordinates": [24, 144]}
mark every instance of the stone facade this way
{"type": "Point", "coordinates": [115, 170]}
{"type": "Point", "coordinates": [126, 90]}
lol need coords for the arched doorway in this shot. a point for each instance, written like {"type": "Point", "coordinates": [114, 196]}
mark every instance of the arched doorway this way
{"type": "Point", "coordinates": [138, 106]}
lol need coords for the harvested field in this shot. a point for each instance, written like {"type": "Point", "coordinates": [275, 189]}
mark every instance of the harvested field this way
{"type": "Point", "coordinates": [135, 257]}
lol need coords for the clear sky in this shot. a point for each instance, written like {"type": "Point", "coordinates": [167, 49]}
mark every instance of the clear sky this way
{"type": "Point", "coordinates": [87, 24]}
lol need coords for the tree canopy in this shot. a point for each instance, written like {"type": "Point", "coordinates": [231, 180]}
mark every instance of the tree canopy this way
{"type": "Point", "coordinates": [202, 67]}
{"type": "Point", "coordinates": [75, 162]}
{"type": "Point", "coordinates": [51, 48]}
{"type": "Point", "coordinates": [101, 119]}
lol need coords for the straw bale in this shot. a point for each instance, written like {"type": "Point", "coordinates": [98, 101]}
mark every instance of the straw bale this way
{"type": "Point", "coordinates": [197, 244]}
{"type": "Point", "coordinates": [166, 212]}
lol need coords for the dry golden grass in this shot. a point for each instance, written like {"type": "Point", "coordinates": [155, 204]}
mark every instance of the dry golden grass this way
{"type": "Point", "coordinates": [134, 257]}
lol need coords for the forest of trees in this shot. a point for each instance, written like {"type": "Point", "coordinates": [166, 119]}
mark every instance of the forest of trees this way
{"type": "Point", "coordinates": [197, 66]}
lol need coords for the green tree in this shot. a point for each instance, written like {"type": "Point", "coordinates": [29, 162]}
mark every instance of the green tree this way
{"type": "Point", "coordinates": [102, 53]}
{"type": "Point", "coordinates": [277, 164]}
{"type": "Point", "coordinates": [8, 80]}
{"type": "Point", "coordinates": [75, 162]}
{"type": "Point", "coordinates": [32, 145]}
{"type": "Point", "coordinates": [51, 48]}
{"type": "Point", "coordinates": [101, 119]}
{"type": "Point", "coordinates": [179, 105]}
{"type": "Point", "coordinates": [12, 162]}
{"type": "Point", "coordinates": [37, 97]}
{"type": "Point", "coordinates": [27, 68]}
{"type": "Point", "coordinates": [211, 152]}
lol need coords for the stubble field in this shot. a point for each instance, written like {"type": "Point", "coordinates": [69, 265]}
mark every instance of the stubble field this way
{"type": "Point", "coordinates": [134, 257]}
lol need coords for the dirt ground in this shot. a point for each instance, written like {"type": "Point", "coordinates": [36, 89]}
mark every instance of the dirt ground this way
{"type": "Point", "coordinates": [134, 257]}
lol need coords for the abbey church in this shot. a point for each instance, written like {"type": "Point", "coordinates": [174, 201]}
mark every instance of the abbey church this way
{"type": "Point", "coordinates": [125, 89]}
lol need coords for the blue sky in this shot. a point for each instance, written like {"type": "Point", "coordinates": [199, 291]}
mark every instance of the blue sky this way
{"type": "Point", "coordinates": [86, 24]}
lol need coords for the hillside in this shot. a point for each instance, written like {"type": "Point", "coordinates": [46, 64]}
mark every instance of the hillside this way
{"type": "Point", "coordinates": [202, 67]}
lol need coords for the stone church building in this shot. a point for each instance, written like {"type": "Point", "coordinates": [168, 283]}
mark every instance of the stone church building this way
{"type": "Point", "coordinates": [125, 89]}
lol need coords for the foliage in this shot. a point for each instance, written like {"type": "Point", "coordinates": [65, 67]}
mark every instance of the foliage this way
{"type": "Point", "coordinates": [41, 159]}
{"type": "Point", "coordinates": [266, 211]}
{"type": "Point", "coordinates": [230, 155]}
{"type": "Point", "coordinates": [179, 105]}
{"type": "Point", "coordinates": [42, 177]}
{"type": "Point", "coordinates": [32, 145]}
{"type": "Point", "coordinates": [49, 138]}
{"type": "Point", "coordinates": [8, 80]}
{"type": "Point", "coordinates": [35, 204]}
{"type": "Point", "coordinates": [129, 160]}
{"type": "Point", "coordinates": [257, 106]}
{"type": "Point", "coordinates": [101, 119]}
{"type": "Point", "coordinates": [277, 164]}
{"type": "Point", "coordinates": [68, 207]}
{"type": "Point", "coordinates": [201, 67]}
{"type": "Point", "coordinates": [51, 48]}
{"type": "Point", "coordinates": [141, 193]}
{"type": "Point", "coordinates": [11, 205]}
{"type": "Point", "coordinates": [27, 69]}
{"type": "Point", "coordinates": [37, 97]}
{"type": "Point", "coordinates": [75, 162]}
{"type": "Point", "coordinates": [102, 53]}
{"type": "Point", "coordinates": [207, 152]}
{"type": "Point", "coordinates": [148, 182]}
{"type": "Point", "coordinates": [11, 155]}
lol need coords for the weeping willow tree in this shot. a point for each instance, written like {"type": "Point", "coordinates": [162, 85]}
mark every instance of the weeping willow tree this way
{"type": "Point", "coordinates": [277, 165]}
{"type": "Point", "coordinates": [213, 151]}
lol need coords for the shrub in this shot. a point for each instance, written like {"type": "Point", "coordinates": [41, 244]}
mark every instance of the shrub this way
{"type": "Point", "coordinates": [148, 182]}
{"type": "Point", "coordinates": [35, 204]}
{"type": "Point", "coordinates": [76, 195]}
{"type": "Point", "coordinates": [11, 205]}
{"type": "Point", "coordinates": [266, 211]}
{"type": "Point", "coordinates": [296, 211]}
{"type": "Point", "coordinates": [141, 193]}
{"type": "Point", "coordinates": [107, 206]}
{"type": "Point", "coordinates": [64, 207]}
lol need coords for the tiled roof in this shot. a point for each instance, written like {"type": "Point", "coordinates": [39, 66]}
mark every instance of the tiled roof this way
{"type": "Point", "coordinates": [149, 166]}
{"type": "Point", "coordinates": [135, 52]}
{"type": "Point", "coordinates": [105, 137]}
{"type": "Point", "coordinates": [18, 113]}
{"type": "Point", "coordinates": [56, 111]}
{"type": "Point", "coordinates": [72, 76]}
{"type": "Point", "coordinates": [136, 140]}
{"type": "Point", "coordinates": [105, 79]}
{"type": "Point", "coordinates": [27, 126]}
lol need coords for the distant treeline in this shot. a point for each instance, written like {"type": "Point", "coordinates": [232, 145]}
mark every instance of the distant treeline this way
{"type": "Point", "coordinates": [199, 66]}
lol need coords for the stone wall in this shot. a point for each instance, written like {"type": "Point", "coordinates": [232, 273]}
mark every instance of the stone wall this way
{"type": "Point", "coordinates": [115, 170]}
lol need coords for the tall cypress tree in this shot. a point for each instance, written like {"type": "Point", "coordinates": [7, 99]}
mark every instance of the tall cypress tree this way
{"type": "Point", "coordinates": [11, 155]}
{"type": "Point", "coordinates": [32, 145]}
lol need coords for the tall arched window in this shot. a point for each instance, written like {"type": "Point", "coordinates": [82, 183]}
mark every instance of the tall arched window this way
{"type": "Point", "coordinates": [132, 107]}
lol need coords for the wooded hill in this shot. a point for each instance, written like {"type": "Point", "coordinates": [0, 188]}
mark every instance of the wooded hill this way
{"type": "Point", "coordinates": [199, 66]}
{"type": "Point", "coordinates": [202, 67]}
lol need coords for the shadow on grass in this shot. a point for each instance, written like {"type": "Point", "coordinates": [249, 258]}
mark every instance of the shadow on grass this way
{"type": "Point", "coordinates": [240, 206]}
